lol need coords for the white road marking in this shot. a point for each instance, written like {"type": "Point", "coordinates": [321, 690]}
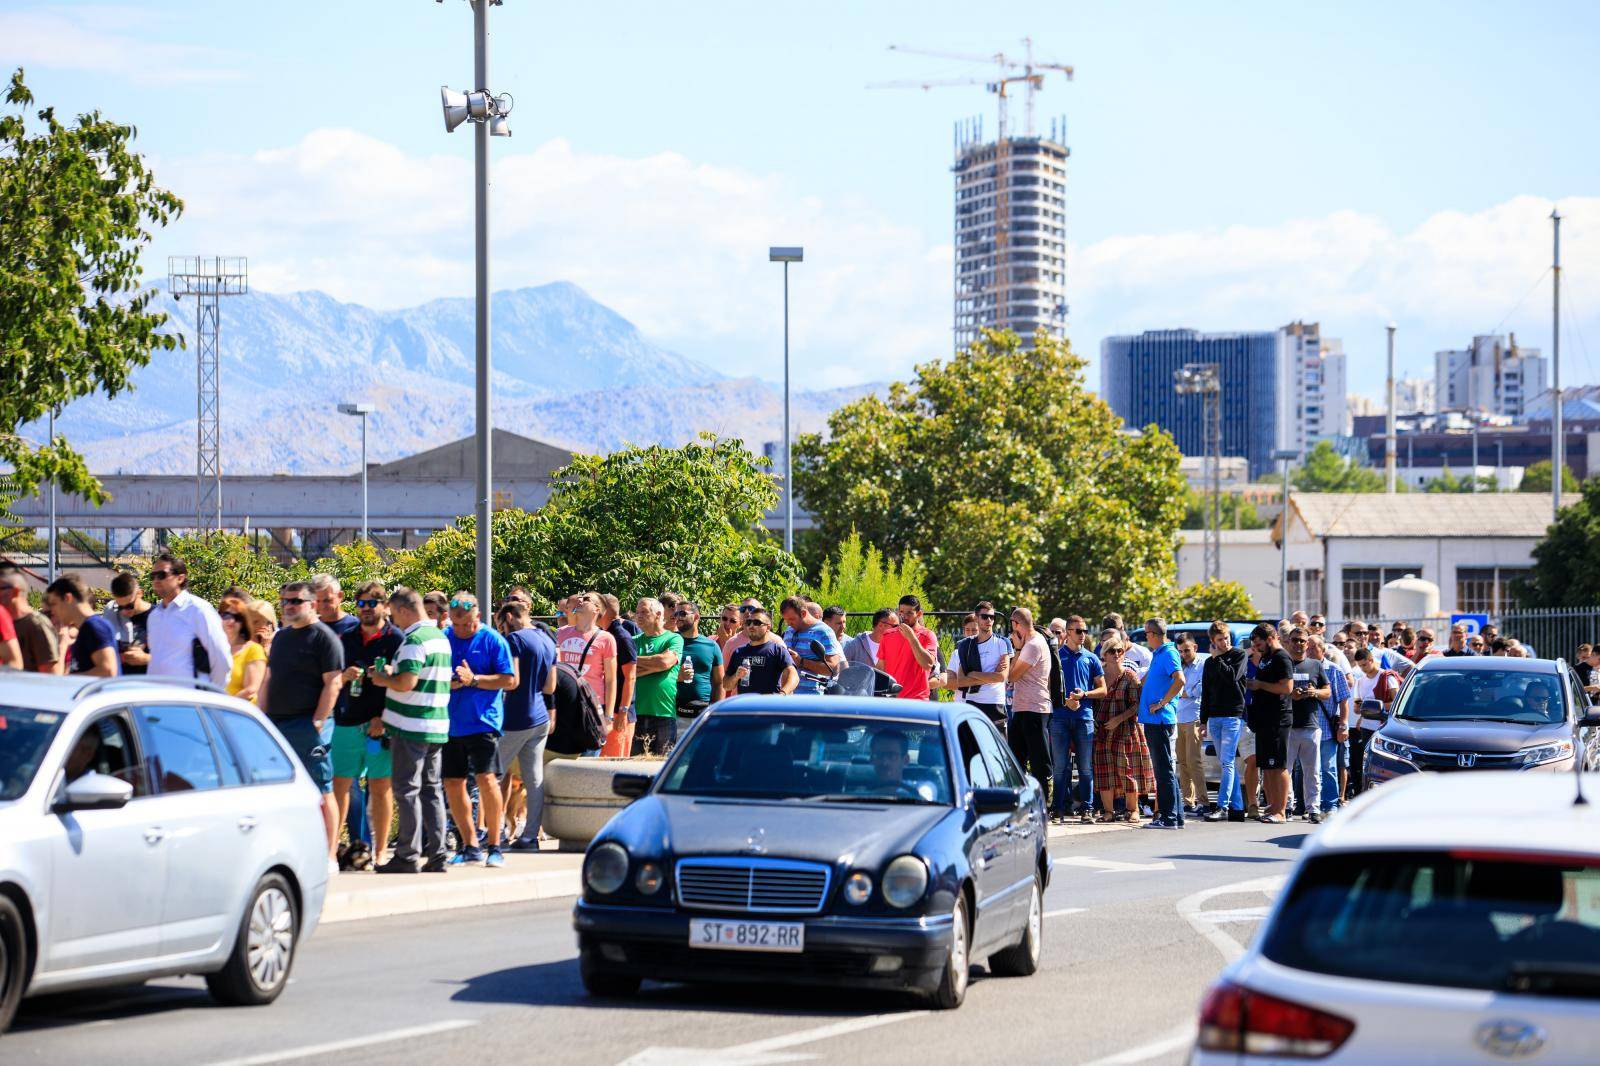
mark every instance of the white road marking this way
{"type": "Point", "coordinates": [1111, 866]}
{"type": "Point", "coordinates": [1207, 924]}
{"type": "Point", "coordinates": [763, 1052]}
{"type": "Point", "coordinates": [1064, 910]}
{"type": "Point", "coordinates": [1144, 1052]}
{"type": "Point", "coordinates": [310, 1050]}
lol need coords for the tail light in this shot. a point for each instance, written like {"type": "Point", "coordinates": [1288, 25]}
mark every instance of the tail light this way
{"type": "Point", "coordinates": [1237, 1019]}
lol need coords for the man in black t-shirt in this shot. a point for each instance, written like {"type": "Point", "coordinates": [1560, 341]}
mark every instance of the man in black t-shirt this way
{"type": "Point", "coordinates": [1271, 716]}
{"type": "Point", "coordinates": [764, 665]}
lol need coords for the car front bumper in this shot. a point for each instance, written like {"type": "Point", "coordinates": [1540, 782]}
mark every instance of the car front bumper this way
{"type": "Point", "coordinates": [653, 943]}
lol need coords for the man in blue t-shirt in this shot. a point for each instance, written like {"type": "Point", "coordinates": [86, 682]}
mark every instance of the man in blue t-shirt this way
{"type": "Point", "coordinates": [1072, 725]}
{"type": "Point", "coordinates": [526, 724]}
{"type": "Point", "coordinates": [94, 652]}
{"type": "Point", "coordinates": [803, 626]}
{"type": "Point", "coordinates": [482, 671]}
{"type": "Point", "coordinates": [1158, 714]}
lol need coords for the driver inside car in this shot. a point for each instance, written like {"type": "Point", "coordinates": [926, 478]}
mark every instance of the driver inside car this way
{"type": "Point", "coordinates": [890, 751]}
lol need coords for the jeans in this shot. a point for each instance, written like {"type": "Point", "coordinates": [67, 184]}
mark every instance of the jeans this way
{"type": "Point", "coordinates": [418, 800]}
{"type": "Point", "coordinates": [1225, 735]}
{"type": "Point", "coordinates": [1305, 747]}
{"type": "Point", "coordinates": [1330, 753]}
{"type": "Point", "coordinates": [1071, 742]}
{"type": "Point", "coordinates": [1162, 741]}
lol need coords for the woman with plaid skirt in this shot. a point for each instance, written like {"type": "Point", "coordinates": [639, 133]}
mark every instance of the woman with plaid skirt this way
{"type": "Point", "coordinates": [1121, 758]}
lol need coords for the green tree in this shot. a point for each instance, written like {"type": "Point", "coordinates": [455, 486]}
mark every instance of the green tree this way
{"type": "Point", "coordinates": [1210, 600]}
{"type": "Point", "coordinates": [218, 561]}
{"type": "Point", "coordinates": [862, 580]}
{"type": "Point", "coordinates": [1448, 482]}
{"type": "Point", "coordinates": [1008, 477]}
{"type": "Point", "coordinates": [1536, 478]}
{"type": "Point", "coordinates": [1325, 470]}
{"type": "Point", "coordinates": [1236, 511]}
{"type": "Point", "coordinates": [633, 523]}
{"type": "Point", "coordinates": [353, 564]}
{"type": "Point", "coordinates": [1566, 563]}
{"type": "Point", "coordinates": [76, 207]}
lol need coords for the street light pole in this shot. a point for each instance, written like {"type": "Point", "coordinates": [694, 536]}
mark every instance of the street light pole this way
{"type": "Point", "coordinates": [53, 554]}
{"type": "Point", "coordinates": [1389, 442]}
{"type": "Point", "coordinates": [787, 255]}
{"type": "Point", "coordinates": [363, 410]}
{"type": "Point", "coordinates": [1558, 459]}
{"type": "Point", "coordinates": [480, 149]}
{"type": "Point", "coordinates": [1284, 456]}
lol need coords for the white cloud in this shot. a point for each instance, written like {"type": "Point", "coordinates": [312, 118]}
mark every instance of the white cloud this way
{"type": "Point", "coordinates": [108, 40]}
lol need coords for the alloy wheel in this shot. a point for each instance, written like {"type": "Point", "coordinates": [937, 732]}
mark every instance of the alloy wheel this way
{"type": "Point", "coordinates": [959, 962]}
{"type": "Point", "coordinates": [270, 943]}
{"type": "Point", "coordinates": [1035, 924]}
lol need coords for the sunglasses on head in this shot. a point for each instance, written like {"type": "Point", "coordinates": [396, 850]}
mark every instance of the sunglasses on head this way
{"type": "Point", "coordinates": [748, 609]}
{"type": "Point", "coordinates": [462, 605]}
{"type": "Point", "coordinates": [368, 603]}
{"type": "Point", "coordinates": [288, 601]}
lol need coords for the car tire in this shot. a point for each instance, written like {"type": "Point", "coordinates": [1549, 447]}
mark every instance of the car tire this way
{"type": "Point", "coordinates": [1022, 958]}
{"type": "Point", "coordinates": [602, 983]}
{"type": "Point", "coordinates": [953, 982]}
{"type": "Point", "coordinates": [257, 971]}
{"type": "Point", "coordinates": [13, 961]}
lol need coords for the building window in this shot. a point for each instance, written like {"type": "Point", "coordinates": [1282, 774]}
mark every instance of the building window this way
{"type": "Point", "coordinates": [1360, 586]}
{"type": "Point", "coordinates": [1305, 591]}
{"type": "Point", "coordinates": [1486, 589]}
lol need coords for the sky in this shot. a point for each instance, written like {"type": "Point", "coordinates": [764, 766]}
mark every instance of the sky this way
{"type": "Point", "coordinates": [1234, 166]}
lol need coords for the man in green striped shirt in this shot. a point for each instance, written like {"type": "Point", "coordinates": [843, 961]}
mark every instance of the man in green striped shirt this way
{"type": "Point", "coordinates": [416, 716]}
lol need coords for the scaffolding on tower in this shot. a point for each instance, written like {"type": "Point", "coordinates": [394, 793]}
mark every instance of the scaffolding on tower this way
{"type": "Point", "coordinates": [208, 279]}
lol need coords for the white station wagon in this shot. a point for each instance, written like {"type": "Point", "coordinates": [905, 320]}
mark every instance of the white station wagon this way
{"type": "Point", "coordinates": [150, 827]}
{"type": "Point", "coordinates": [1442, 918]}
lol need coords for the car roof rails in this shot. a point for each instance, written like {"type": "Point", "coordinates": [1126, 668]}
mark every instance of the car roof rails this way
{"type": "Point", "coordinates": [101, 684]}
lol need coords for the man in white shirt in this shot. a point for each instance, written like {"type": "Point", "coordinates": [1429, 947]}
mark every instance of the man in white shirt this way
{"type": "Point", "coordinates": [981, 679]}
{"type": "Point", "coordinates": [181, 625]}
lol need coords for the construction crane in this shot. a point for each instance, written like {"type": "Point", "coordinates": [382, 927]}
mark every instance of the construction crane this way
{"type": "Point", "coordinates": [1032, 77]}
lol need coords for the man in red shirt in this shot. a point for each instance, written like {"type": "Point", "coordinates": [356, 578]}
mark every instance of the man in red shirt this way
{"type": "Point", "coordinates": [909, 651]}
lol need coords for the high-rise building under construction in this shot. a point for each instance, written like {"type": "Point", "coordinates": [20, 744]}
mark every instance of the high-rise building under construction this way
{"type": "Point", "coordinates": [1010, 233]}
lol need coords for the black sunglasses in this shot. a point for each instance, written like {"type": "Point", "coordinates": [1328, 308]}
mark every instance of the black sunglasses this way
{"type": "Point", "coordinates": [368, 603]}
{"type": "Point", "coordinates": [748, 610]}
{"type": "Point", "coordinates": [286, 600]}
{"type": "Point", "coordinates": [682, 614]}
{"type": "Point", "coordinates": [157, 575]}
{"type": "Point", "coordinates": [756, 622]}
{"type": "Point", "coordinates": [987, 617]}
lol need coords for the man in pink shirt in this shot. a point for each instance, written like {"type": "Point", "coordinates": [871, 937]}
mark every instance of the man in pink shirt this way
{"type": "Point", "coordinates": [907, 652]}
{"type": "Point", "coordinates": [748, 607]}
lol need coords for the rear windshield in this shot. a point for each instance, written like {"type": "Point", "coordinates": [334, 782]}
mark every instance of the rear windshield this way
{"type": "Point", "coordinates": [1478, 695]}
{"type": "Point", "coordinates": [1482, 920]}
{"type": "Point", "coordinates": [24, 738]}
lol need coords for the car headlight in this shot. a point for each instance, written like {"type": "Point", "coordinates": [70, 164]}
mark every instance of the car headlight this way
{"type": "Point", "coordinates": [905, 881]}
{"type": "Point", "coordinates": [1547, 753]}
{"type": "Point", "coordinates": [648, 879]}
{"type": "Point", "coordinates": [1393, 747]}
{"type": "Point", "coordinates": [857, 888]}
{"type": "Point", "coordinates": [606, 868]}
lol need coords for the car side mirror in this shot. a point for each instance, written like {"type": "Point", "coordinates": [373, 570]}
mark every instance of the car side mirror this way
{"type": "Point", "coordinates": [996, 800]}
{"type": "Point", "coordinates": [1589, 721]}
{"type": "Point", "coordinates": [1374, 709]}
{"type": "Point", "coordinates": [94, 792]}
{"type": "Point", "coordinates": [630, 786]}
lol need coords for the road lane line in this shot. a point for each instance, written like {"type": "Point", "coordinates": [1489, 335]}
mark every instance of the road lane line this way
{"type": "Point", "coordinates": [1189, 907]}
{"type": "Point", "coordinates": [309, 1050]}
{"type": "Point", "coordinates": [1144, 1052]}
{"type": "Point", "coordinates": [1064, 910]}
{"type": "Point", "coordinates": [1112, 866]}
{"type": "Point", "coordinates": [770, 1050]}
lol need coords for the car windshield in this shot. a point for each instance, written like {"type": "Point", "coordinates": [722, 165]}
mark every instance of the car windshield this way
{"type": "Point", "coordinates": [24, 737]}
{"type": "Point", "coordinates": [1463, 919]}
{"type": "Point", "coordinates": [1482, 695]}
{"type": "Point", "coordinates": [828, 758]}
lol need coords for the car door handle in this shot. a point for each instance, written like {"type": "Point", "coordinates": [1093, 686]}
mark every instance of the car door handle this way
{"type": "Point", "coordinates": [154, 835]}
{"type": "Point", "coordinates": [246, 824]}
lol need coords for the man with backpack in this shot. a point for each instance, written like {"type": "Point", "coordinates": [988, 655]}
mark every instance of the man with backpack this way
{"type": "Point", "coordinates": [981, 664]}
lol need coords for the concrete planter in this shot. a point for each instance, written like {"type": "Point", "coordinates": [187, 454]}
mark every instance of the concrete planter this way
{"type": "Point", "coordinates": [578, 800]}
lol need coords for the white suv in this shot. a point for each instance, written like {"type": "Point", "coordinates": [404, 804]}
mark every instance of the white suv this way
{"type": "Point", "coordinates": [1444, 918]}
{"type": "Point", "coordinates": [150, 827]}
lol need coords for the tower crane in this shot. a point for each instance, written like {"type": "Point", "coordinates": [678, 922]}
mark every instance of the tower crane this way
{"type": "Point", "coordinates": [1031, 76]}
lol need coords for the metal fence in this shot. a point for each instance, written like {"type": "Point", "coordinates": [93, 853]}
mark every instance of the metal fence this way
{"type": "Point", "coordinates": [1552, 632]}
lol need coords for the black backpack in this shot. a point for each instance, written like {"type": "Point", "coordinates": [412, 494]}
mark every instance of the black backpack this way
{"type": "Point", "coordinates": [589, 709]}
{"type": "Point", "coordinates": [1058, 692]}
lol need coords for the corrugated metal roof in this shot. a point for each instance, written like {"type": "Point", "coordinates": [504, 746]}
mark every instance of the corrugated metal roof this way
{"type": "Point", "coordinates": [1423, 514]}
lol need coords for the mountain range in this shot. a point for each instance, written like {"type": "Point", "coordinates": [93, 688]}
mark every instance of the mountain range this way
{"type": "Point", "coordinates": [567, 370]}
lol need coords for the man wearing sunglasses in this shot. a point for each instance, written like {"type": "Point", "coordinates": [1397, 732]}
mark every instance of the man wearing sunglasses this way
{"type": "Point", "coordinates": [907, 652]}
{"type": "Point", "coordinates": [660, 651]}
{"type": "Point", "coordinates": [482, 671]}
{"type": "Point", "coordinates": [747, 607]}
{"type": "Point", "coordinates": [305, 671]}
{"type": "Point", "coordinates": [359, 746]}
{"type": "Point", "coordinates": [763, 665]}
{"type": "Point", "coordinates": [700, 679]}
{"type": "Point", "coordinates": [129, 615]}
{"type": "Point", "coordinates": [979, 667]}
{"type": "Point", "coordinates": [812, 645]}
{"type": "Point", "coordinates": [185, 631]}
{"type": "Point", "coordinates": [38, 647]}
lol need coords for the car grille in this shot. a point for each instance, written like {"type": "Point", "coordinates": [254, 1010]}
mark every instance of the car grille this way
{"type": "Point", "coordinates": [1449, 760]}
{"type": "Point", "coordinates": [774, 885]}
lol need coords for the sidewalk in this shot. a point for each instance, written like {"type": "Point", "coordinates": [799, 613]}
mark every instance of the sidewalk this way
{"type": "Point", "coordinates": [526, 876]}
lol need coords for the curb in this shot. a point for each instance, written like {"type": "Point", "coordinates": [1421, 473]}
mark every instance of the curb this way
{"type": "Point", "coordinates": [415, 894]}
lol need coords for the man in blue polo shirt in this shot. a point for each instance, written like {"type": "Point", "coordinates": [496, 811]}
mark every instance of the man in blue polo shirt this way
{"type": "Point", "coordinates": [1158, 714]}
{"type": "Point", "coordinates": [1072, 725]}
{"type": "Point", "coordinates": [482, 672]}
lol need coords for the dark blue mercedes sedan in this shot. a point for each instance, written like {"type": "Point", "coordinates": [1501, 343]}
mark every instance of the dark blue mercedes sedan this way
{"type": "Point", "coordinates": [879, 843]}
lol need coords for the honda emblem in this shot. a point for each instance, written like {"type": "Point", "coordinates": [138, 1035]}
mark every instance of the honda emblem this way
{"type": "Point", "coordinates": [1467, 760]}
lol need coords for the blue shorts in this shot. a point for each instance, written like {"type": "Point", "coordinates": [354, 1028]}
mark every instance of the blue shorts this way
{"type": "Point", "coordinates": [313, 747]}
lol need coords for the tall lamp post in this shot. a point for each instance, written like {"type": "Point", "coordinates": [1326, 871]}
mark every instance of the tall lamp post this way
{"type": "Point", "coordinates": [1284, 456]}
{"type": "Point", "coordinates": [487, 112]}
{"type": "Point", "coordinates": [362, 410]}
{"type": "Point", "coordinates": [787, 255]}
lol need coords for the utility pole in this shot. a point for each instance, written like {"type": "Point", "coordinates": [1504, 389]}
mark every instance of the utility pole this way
{"type": "Point", "coordinates": [1557, 444]}
{"type": "Point", "coordinates": [1284, 456]}
{"type": "Point", "coordinates": [53, 554]}
{"type": "Point", "coordinates": [1389, 441]}
{"type": "Point", "coordinates": [786, 255]}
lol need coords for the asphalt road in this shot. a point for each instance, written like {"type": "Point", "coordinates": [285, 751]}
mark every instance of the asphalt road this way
{"type": "Point", "coordinates": [1138, 922]}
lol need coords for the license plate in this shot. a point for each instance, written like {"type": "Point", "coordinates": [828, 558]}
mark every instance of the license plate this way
{"type": "Point", "coordinates": [746, 936]}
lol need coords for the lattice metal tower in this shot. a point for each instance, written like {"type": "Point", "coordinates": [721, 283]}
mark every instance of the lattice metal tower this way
{"type": "Point", "coordinates": [208, 279]}
{"type": "Point", "coordinates": [1205, 380]}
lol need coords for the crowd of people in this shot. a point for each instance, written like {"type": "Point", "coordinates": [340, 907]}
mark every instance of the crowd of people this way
{"type": "Point", "coordinates": [424, 712]}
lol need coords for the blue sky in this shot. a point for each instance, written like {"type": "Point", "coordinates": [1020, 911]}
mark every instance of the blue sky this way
{"type": "Point", "coordinates": [1234, 165]}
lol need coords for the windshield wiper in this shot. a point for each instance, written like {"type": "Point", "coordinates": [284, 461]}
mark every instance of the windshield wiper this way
{"type": "Point", "coordinates": [862, 797]}
{"type": "Point", "coordinates": [1555, 978]}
